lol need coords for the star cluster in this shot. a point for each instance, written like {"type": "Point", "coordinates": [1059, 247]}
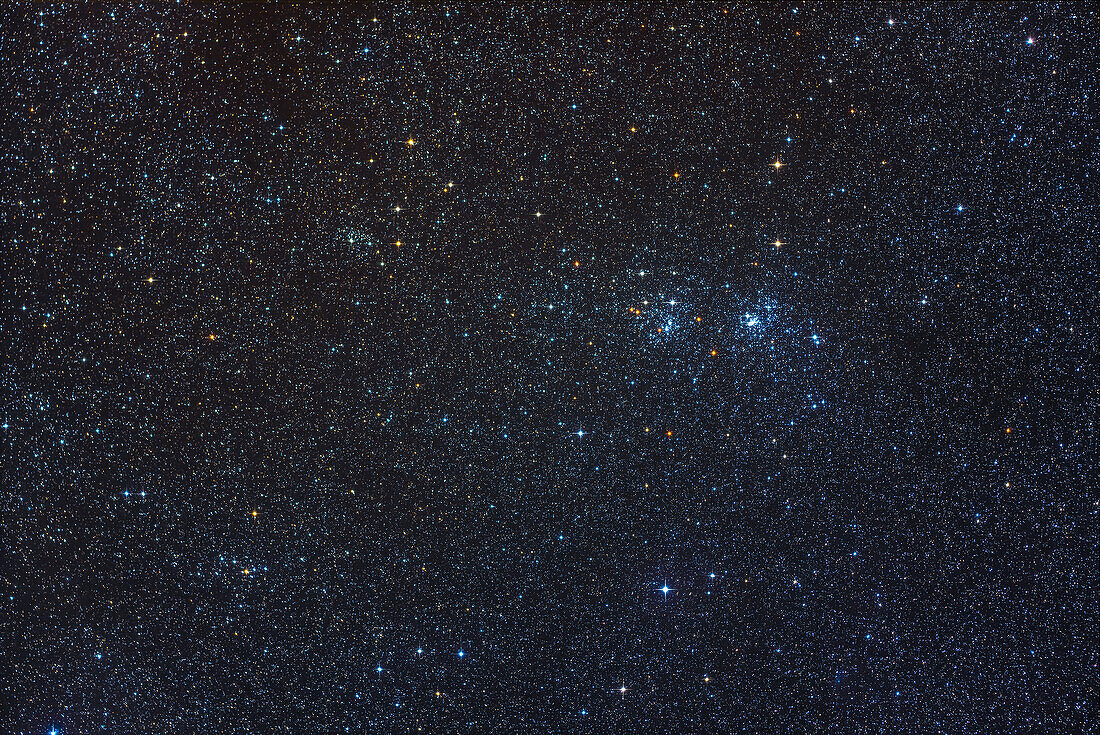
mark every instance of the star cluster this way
{"type": "Point", "coordinates": [549, 368]}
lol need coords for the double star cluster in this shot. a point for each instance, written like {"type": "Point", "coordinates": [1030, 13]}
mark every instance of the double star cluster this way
{"type": "Point", "coordinates": [540, 367]}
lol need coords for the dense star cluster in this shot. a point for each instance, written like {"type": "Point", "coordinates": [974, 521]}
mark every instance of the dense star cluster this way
{"type": "Point", "coordinates": [548, 368]}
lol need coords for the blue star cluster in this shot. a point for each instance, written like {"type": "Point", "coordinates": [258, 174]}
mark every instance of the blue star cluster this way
{"type": "Point", "coordinates": [549, 368]}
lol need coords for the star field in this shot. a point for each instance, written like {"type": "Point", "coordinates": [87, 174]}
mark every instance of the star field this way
{"type": "Point", "coordinates": [553, 368]}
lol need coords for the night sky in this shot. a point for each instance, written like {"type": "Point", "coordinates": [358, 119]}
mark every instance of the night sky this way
{"type": "Point", "coordinates": [549, 369]}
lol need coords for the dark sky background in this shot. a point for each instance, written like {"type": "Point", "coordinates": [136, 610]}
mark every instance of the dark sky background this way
{"type": "Point", "coordinates": [555, 368]}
